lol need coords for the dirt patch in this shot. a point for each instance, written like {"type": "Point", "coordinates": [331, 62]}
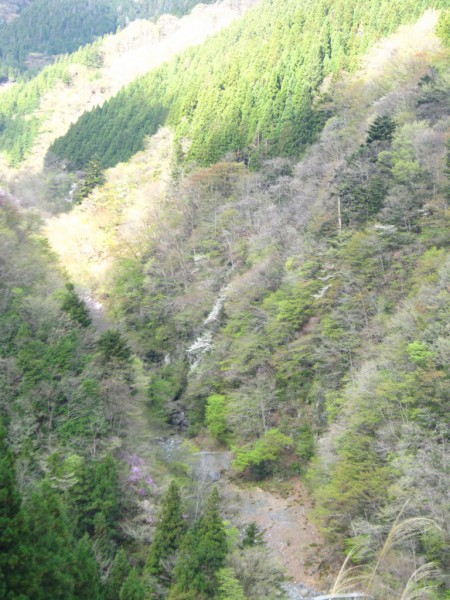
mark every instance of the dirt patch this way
{"type": "Point", "coordinates": [283, 514]}
{"type": "Point", "coordinates": [282, 509]}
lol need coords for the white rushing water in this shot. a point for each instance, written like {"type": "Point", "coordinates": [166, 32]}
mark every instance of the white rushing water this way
{"type": "Point", "coordinates": [204, 342]}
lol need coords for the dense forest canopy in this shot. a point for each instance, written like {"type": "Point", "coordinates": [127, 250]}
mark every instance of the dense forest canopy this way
{"type": "Point", "coordinates": [272, 271]}
{"type": "Point", "coordinates": [252, 89]}
{"type": "Point", "coordinates": [50, 27]}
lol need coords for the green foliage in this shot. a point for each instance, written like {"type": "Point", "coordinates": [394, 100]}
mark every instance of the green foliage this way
{"type": "Point", "coordinates": [18, 125]}
{"type": "Point", "coordinates": [381, 130]}
{"type": "Point", "coordinates": [92, 179]}
{"type": "Point", "coordinates": [362, 188]}
{"type": "Point", "coordinates": [12, 551]}
{"type": "Point", "coordinates": [113, 347]}
{"type": "Point", "coordinates": [52, 565]}
{"type": "Point", "coordinates": [259, 98]}
{"type": "Point", "coordinates": [91, 56]}
{"type": "Point", "coordinates": [86, 571]}
{"type": "Point", "coordinates": [305, 443]}
{"type": "Point", "coordinates": [168, 534]}
{"type": "Point", "coordinates": [358, 484]}
{"type": "Point", "coordinates": [202, 554]}
{"type": "Point", "coordinates": [261, 455]}
{"type": "Point", "coordinates": [49, 27]}
{"type": "Point", "coordinates": [60, 426]}
{"type": "Point", "coordinates": [419, 353]}
{"type": "Point", "coordinates": [120, 571]}
{"type": "Point", "coordinates": [132, 588]}
{"type": "Point", "coordinates": [316, 317]}
{"type": "Point", "coordinates": [229, 586]}
{"type": "Point", "coordinates": [297, 307]}
{"type": "Point", "coordinates": [97, 492]}
{"type": "Point", "coordinates": [435, 546]}
{"type": "Point", "coordinates": [253, 536]}
{"type": "Point", "coordinates": [166, 386]}
{"type": "Point", "coordinates": [75, 307]}
{"type": "Point", "coordinates": [443, 27]}
{"type": "Point", "coordinates": [216, 417]}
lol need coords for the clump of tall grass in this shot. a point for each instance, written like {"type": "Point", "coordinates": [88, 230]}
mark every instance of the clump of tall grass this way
{"type": "Point", "coordinates": [368, 579]}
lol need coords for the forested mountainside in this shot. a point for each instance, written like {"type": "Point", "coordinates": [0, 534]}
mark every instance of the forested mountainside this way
{"type": "Point", "coordinates": [34, 113]}
{"type": "Point", "coordinates": [44, 28]}
{"type": "Point", "coordinates": [286, 307]}
{"type": "Point", "coordinates": [10, 9]}
{"type": "Point", "coordinates": [253, 88]}
{"type": "Point", "coordinates": [61, 386]}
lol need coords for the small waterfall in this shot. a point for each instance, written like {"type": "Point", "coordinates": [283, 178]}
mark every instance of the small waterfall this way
{"type": "Point", "coordinates": [204, 341]}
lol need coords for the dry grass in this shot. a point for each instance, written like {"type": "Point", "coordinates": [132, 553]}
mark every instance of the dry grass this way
{"type": "Point", "coordinates": [369, 579]}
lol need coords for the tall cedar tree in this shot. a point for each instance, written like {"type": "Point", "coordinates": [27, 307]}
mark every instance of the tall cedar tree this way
{"type": "Point", "coordinates": [253, 536]}
{"type": "Point", "coordinates": [202, 554]}
{"type": "Point", "coordinates": [52, 561]}
{"type": "Point", "coordinates": [86, 572]}
{"type": "Point", "coordinates": [74, 307]}
{"type": "Point", "coordinates": [94, 177]}
{"type": "Point", "coordinates": [229, 586]}
{"type": "Point", "coordinates": [133, 588]}
{"type": "Point", "coordinates": [11, 527]}
{"type": "Point", "coordinates": [113, 347]}
{"type": "Point", "coordinates": [168, 535]}
{"type": "Point", "coordinates": [119, 573]}
{"type": "Point", "coordinates": [382, 129]}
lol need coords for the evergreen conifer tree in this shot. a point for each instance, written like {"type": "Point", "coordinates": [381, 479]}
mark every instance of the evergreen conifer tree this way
{"type": "Point", "coordinates": [382, 129]}
{"type": "Point", "coordinates": [11, 526]}
{"type": "Point", "coordinates": [85, 570]}
{"type": "Point", "coordinates": [119, 573]}
{"type": "Point", "coordinates": [229, 586]}
{"type": "Point", "coordinates": [94, 177]}
{"type": "Point", "coordinates": [74, 307]}
{"type": "Point", "coordinates": [202, 554]}
{"type": "Point", "coordinates": [132, 588]}
{"type": "Point", "coordinates": [253, 535]}
{"type": "Point", "coordinates": [168, 535]}
{"type": "Point", "coordinates": [52, 547]}
{"type": "Point", "coordinates": [113, 347]}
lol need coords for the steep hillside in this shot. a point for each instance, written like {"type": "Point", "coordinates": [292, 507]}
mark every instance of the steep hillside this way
{"type": "Point", "coordinates": [299, 313]}
{"type": "Point", "coordinates": [280, 317]}
{"type": "Point", "coordinates": [252, 90]}
{"type": "Point", "coordinates": [34, 113]}
{"type": "Point", "coordinates": [44, 28]}
{"type": "Point", "coordinates": [9, 9]}
{"type": "Point", "coordinates": [61, 497]}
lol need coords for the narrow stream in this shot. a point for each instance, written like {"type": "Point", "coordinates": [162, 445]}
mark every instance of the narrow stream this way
{"type": "Point", "coordinates": [282, 518]}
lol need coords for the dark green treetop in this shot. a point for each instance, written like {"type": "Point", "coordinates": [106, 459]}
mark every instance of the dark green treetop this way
{"type": "Point", "coordinates": [168, 535]}
{"type": "Point", "coordinates": [202, 554]}
{"type": "Point", "coordinates": [382, 129]}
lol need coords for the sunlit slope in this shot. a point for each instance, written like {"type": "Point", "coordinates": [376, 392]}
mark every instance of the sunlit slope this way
{"type": "Point", "coordinates": [252, 89]}
{"type": "Point", "coordinates": [45, 28]}
{"type": "Point", "coordinates": [298, 314]}
{"type": "Point", "coordinates": [118, 219]}
{"type": "Point", "coordinates": [36, 113]}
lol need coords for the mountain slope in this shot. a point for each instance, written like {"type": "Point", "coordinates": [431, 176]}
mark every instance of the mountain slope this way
{"type": "Point", "coordinates": [252, 90]}
{"type": "Point", "coordinates": [292, 319]}
{"type": "Point", "coordinates": [34, 113]}
{"type": "Point", "coordinates": [301, 310]}
{"type": "Point", "coordinates": [9, 9]}
{"type": "Point", "coordinates": [44, 28]}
